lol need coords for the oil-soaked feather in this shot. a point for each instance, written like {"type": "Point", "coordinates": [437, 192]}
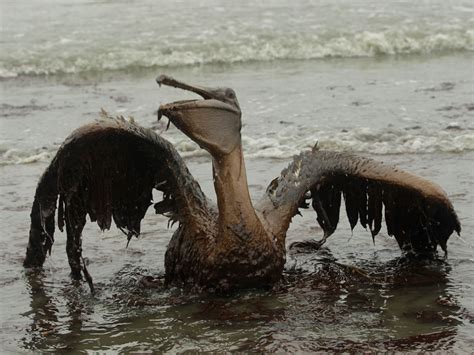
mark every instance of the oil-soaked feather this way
{"type": "Point", "coordinates": [333, 204]}
{"type": "Point", "coordinates": [374, 209]}
{"type": "Point", "coordinates": [322, 216]}
{"type": "Point", "coordinates": [61, 214]}
{"type": "Point", "coordinates": [41, 237]}
{"type": "Point", "coordinates": [417, 212]}
{"type": "Point", "coordinates": [327, 203]}
{"type": "Point", "coordinates": [390, 210]}
{"type": "Point", "coordinates": [352, 205]}
{"type": "Point", "coordinates": [362, 199]}
{"type": "Point", "coordinates": [108, 170]}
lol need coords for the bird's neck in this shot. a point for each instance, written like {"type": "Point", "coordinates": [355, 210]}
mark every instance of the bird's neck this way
{"type": "Point", "coordinates": [236, 212]}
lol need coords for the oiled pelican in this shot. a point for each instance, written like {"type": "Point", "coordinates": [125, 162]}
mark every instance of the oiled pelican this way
{"type": "Point", "coordinates": [108, 169]}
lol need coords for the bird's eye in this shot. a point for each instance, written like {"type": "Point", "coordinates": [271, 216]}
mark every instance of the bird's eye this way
{"type": "Point", "coordinates": [230, 93]}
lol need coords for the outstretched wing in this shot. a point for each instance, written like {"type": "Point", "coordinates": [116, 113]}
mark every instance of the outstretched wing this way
{"type": "Point", "coordinates": [417, 212]}
{"type": "Point", "coordinates": [108, 169]}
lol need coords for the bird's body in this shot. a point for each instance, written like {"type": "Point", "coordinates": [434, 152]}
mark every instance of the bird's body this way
{"type": "Point", "coordinates": [207, 258]}
{"type": "Point", "coordinates": [201, 253]}
{"type": "Point", "coordinates": [108, 169]}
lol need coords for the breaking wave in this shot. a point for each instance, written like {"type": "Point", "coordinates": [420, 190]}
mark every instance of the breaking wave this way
{"type": "Point", "coordinates": [284, 145]}
{"type": "Point", "coordinates": [67, 56]}
{"type": "Point", "coordinates": [362, 140]}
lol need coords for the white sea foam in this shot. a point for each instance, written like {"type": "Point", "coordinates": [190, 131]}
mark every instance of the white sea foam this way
{"type": "Point", "coordinates": [15, 156]}
{"type": "Point", "coordinates": [71, 57]}
{"type": "Point", "coordinates": [363, 140]}
{"type": "Point", "coordinates": [283, 145]}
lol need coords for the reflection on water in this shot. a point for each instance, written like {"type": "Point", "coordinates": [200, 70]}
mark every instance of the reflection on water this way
{"type": "Point", "coordinates": [320, 304]}
{"type": "Point", "coordinates": [49, 329]}
{"type": "Point", "coordinates": [43, 312]}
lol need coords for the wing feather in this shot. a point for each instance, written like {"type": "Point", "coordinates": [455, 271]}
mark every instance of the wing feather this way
{"type": "Point", "coordinates": [108, 169]}
{"type": "Point", "coordinates": [417, 212]}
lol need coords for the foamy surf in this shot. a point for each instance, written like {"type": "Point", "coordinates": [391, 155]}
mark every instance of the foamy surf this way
{"type": "Point", "coordinates": [361, 140]}
{"type": "Point", "coordinates": [65, 57]}
{"type": "Point", "coordinates": [283, 145]}
{"type": "Point", "coordinates": [16, 156]}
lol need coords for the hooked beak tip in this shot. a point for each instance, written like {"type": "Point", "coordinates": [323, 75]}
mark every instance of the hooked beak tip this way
{"type": "Point", "coordinates": [159, 80]}
{"type": "Point", "coordinates": [164, 80]}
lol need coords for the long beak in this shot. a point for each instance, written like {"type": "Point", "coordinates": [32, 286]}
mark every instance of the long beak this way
{"type": "Point", "coordinates": [213, 121]}
{"type": "Point", "coordinates": [205, 93]}
{"type": "Point", "coordinates": [212, 99]}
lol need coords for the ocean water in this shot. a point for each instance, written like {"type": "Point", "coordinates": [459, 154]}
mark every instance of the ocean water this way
{"type": "Point", "coordinates": [392, 80]}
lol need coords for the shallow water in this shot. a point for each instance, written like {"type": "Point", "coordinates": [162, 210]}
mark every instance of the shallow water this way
{"type": "Point", "coordinates": [323, 304]}
{"type": "Point", "coordinates": [414, 109]}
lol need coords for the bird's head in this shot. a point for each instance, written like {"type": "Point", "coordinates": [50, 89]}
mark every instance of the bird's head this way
{"type": "Point", "coordinates": [213, 122]}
